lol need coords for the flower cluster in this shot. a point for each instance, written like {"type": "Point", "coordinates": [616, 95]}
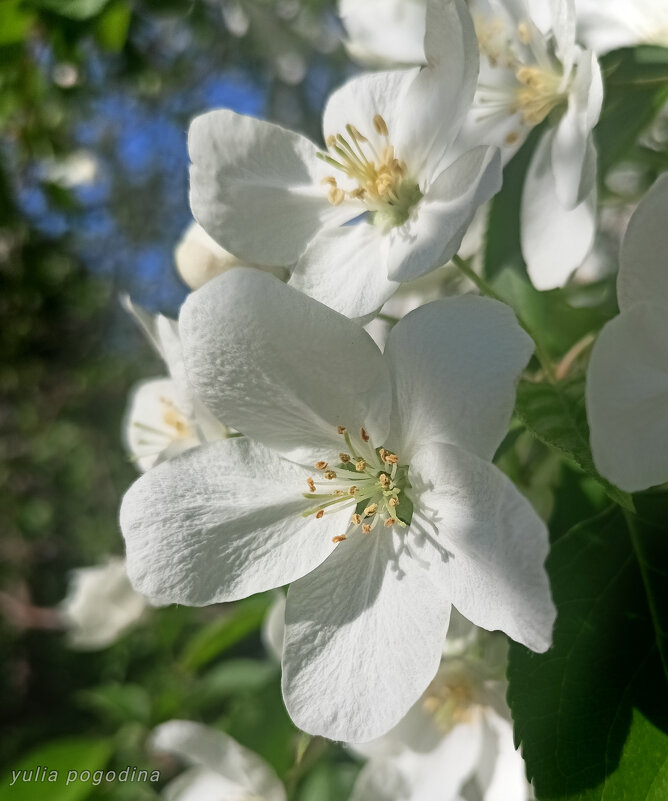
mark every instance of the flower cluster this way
{"type": "Point", "coordinates": [287, 447]}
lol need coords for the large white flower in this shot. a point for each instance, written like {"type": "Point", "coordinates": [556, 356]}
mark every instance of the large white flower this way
{"type": "Point", "coordinates": [627, 384]}
{"type": "Point", "coordinates": [364, 478]}
{"type": "Point", "coordinates": [456, 742]}
{"type": "Point", "coordinates": [271, 196]}
{"type": "Point", "coordinates": [100, 605]}
{"type": "Point", "coordinates": [529, 74]}
{"type": "Point", "coordinates": [164, 417]}
{"type": "Point", "coordinates": [221, 769]}
{"type": "Point", "coordinates": [605, 26]}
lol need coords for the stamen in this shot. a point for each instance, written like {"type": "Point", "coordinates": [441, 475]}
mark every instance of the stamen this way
{"type": "Point", "coordinates": [341, 429]}
{"type": "Point", "coordinates": [311, 484]}
{"type": "Point", "coordinates": [330, 474]}
{"type": "Point", "coordinates": [371, 510]}
{"type": "Point", "coordinates": [356, 519]}
{"type": "Point", "coordinates": [366, 528]}
{"type": "Point", "coordinates": [380, 125]}
{"type": "Point", "coordinates": [319, 514]}
{"type": "Point", "coordinates": [390, 522]}
{"type": "Point", "coordinates": [360, 465]}
{"type": "Point", "coordinates": [344, 457]}
{"type": "Point", "coordinates": [365, 436]}
{"type": "Point", "coordinates": [340, 538]}
{"type": "Point", "coordinates": [321, 465]}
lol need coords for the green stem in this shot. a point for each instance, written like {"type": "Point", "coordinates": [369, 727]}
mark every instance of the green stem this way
{"type": "Point", "coordinates": [488, 290]}
{"type": "Point", "coordinates": [636, 543]}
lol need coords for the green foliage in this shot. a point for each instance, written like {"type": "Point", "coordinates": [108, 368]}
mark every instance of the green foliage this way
{"type": "Point", "coordinates": [591, 714]}
{"type": "Point", "coordinates": [555, 413]}
{"type": "Point", "coordinates": [65, 755]}
{"type": "Point", "coordinates": [72, 9]}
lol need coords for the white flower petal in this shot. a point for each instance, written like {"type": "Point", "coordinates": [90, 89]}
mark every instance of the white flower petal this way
{"type": "Point", "coordinates": [385, 31]}
{"type": "Point", "coordinates": [273, 627]}
{"type": "Point", "coordinates": [359, 100]}
{"type": "Point", "coordinates": [501, 772]}
{"type": "Point", "coordinates": [437, 101]}
{"type": "Point", "coordinates": [346, 269]}
{"type": "Point", "coordinates": [555, 241]}
{"type": "Point", "coordinates": [562, 14]}
{"type": "Point", "coordinates": [495, 542]}
{"type": "Point", "coordinates": [381, 780]}
{"type": "Point", "coordinates": [627, 398]}
{"type": "Point", "coordinates": [255, 187]}
{"type": "Point", "coordinates": [200, 784]}
{"type": "Point", "coordinates": [364, 634]}
{"type": "Point", "coordinates": [100, 605]}
{"type": "Point", "coordinates": [222, 522]}
{"type": "Point", "coordinates": [155, 423]}
{"type": "Point", "coordinates": [434, 233]}
{"type": "Point", "coordinates": [281, 367]}
{"type": "Point", "coordinates": [455, 365]}
{"type": "Point", "coordinates": [218, 752]}
{"type": "Point", "coordinates": [643, 273]}
{"type": "Point", "coordinates": [573, 150]}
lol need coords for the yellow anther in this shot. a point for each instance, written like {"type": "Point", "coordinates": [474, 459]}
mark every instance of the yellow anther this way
{"type": "Point", "coordinates": [394, 502]}
{"type": "Point", "coordinates": [311, 484]}
{"type": "Point", "coordinates": [344, 458]}
{"type": "Point", "coordinates": [371, 510]}
{"type": "Point", "coordinates": [330, 141]}
{"type": "Point", "coordinates": [360, 465]}
{"type": "Point", "coordinates": [384, 480]}
{"type": "Point", "coordinates": [321, 465]}
{"type": "Point", "coordinates": [319, 514]}
{"type": "Point", "coordinates": [338, 539]}
{"type": "Point", "coordinates": [341, 429]}
{"type": "Point", "coordinates": [336, 196]}
{"type": "Point", "coordinates": [356, 519]}
{"type": "Point", "coordinates": [380, 125]}
{"type": "Point", "coordinates": [366, 528]}
{"type": "Point", "coordinates": [524, 33]}
{"type": "Point", "coordinates": [330, 179]}
{"type": "Point", "coordinates": [390, 522]}
{"type": "Point", "coordinates": [330, 474]}
{"type": "Point", "coordinates": [352, 490]}
{"type": "Point", "coordinates": [365, 436]}
{"type": "Point", "coordinates": [389, 458]}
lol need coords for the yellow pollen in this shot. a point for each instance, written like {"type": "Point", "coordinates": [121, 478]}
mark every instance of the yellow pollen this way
{"type": "Point", "coordinates": [384, 480]}
{"type": "Point", "coordinates": [321, 465]}
{"type": "Point", "coordinates": [341, 429]}
{"type": "Point", "coordinates": [524, 33]}
{"type": "Point", "coordinates": [394, 502]}
{"type": "Point", "coordinates": [390, 522]}
{"type": "Point", "coordinates": [330, 474]}
{"type": "Point", "coordinates": [371, 510]}
{"type": "Point", "coordinates": [365, 436]}
{"type": "Point", "coordinates": [366, 528]}
{"type": "Point", "coordinates": [539, 94]}
{"type": "Point", "coordinates": [360, 465]}
{"type": "Point", "coordinates": [319, 514]}
{"type": "Point", "coordinates": [380, 125]}
{"type": "Point", "coordinates": [344, 458]}
{"type": "Point", "coordinates": [329, 180]}
{"type": "Point", "coordinates": [352, 490]}
{"type": "Point", "coordinates": [356, 519]}
{"type": "Point", "coordinates": [340, 538]}
{"type": "Point", "coordinates": [336, 196]}
{"type": "Point", "coordinates": [311, 484]}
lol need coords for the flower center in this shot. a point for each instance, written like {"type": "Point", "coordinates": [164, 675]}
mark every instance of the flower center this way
{"type": "Point", "coordinates": [540, 92]}
{"type": "Point", "coordinates": [382, 182]}
{"type": "Point", "coordinates": [449, 700]}
{"type": "Point", "coordinates": [368, 480]}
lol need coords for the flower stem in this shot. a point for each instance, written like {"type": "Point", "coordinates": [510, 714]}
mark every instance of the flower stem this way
{"type": "Point", "coordinates": [488, 290]}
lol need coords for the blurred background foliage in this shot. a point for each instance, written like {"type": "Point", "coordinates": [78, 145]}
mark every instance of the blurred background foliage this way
{"type": "Point", "coordinates": [95, 100]}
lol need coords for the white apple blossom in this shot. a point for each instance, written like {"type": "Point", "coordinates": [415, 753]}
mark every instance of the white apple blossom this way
{"type": "Point", "coordinates": [627, 383]}
{"type": "Point", "coordinates": [100, 605]}
{"type": "Point", "coordinates": [605, 26]}
{"type": "Point", "coordinates": [199, 258]}
{"type": "Point", "coordinates": [384, 32]}
{"type": "Point", "coordinates": [164, 417]}
{"type": "Point", "coordinates": [364, 478]}
{"type": "Point", "coordinates": [272, 197]}
{"type": "Point", "coordinates": [221, 769]}
{"type": "Point", "coordinates": [529, 75]}
{"type": "Point", "coordinates": [456, 743]}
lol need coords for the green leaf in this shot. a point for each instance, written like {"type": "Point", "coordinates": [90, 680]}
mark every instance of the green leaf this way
{"type": "Point", "coordinates": [591, 714]}
{"type": "Point", "coordinates": [636, 89]}
{"type": "Point", "coordinates": [556, 415]}
{"type": "Point", "coordinates": [65, 757]}
{"type": "Point", "coordinates": [73, 9]}
{"type": "Point", "coordinates": [233, 677]}
{"type": "Point", "coordinates": [15, 22]}
{"type": "Point", "coordinates": [229, 629]}
{"type": "Point", "coordinates": [120, 703]}
{"type": "Point", "coordinates": [111, 30]}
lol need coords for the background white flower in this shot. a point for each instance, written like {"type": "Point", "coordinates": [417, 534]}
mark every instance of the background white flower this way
{"type": "Point", "coordinates": [100, 605]}
{"type": "Point", "coordinates": [222, 770]}
{"type": "Point", "coordinates": [605, 26]}
{"type": "Point", "coordinates": [456, 742]}
{"type": "Point", "coordinates": [270, 196]}
{"type": "Point", "coordinates": [164, 417]}
{"type": "Point", "coordinates": [627, 384]}
{"type": "Point", "coordinates": [363, 478]}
